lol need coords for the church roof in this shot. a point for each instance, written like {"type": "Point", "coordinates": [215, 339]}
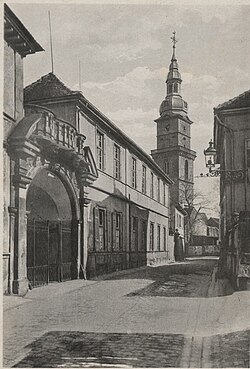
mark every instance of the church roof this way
{"type": "Point", "coordinates": [47, 86]}
{"type": "Point", "coordinates": [240, 101]}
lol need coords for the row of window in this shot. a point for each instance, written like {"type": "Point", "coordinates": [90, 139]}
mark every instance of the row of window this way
{"type": "Point", "coordinates": [117, 170]}
{"type": "Point", "coordinates": [161, 244]}
{"type": "Point", "coordinates": [108, 233]}
{"type": "Point", "coordinates": [107, 230]}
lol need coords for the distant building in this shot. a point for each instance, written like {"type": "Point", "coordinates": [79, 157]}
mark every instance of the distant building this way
{"type": "Point", "coordinates": [173, 153]}
{"type": "Point", "coordinates": [232, 143]}
{"type": "Point", "coordinates": [205, 235]}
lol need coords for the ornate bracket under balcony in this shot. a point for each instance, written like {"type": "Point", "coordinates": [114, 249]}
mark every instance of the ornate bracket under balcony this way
{"type": "Point", "coordinates": [54, 140]}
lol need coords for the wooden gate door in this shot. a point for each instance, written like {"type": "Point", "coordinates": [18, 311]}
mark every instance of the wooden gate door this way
{"type": "Point", "coordinates": [37, 252]}
{"type": "Point", "coordinates": [48, 252]}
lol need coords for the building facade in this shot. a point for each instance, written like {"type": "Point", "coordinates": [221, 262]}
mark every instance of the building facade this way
{"type": "Point", "coordinates": [232, 143]}
{"type": "Point", "coordinates": [18, 43]}
{"type": "Point", "coordinates": [173, 153]}
{"type": "Point", "coordinates": [127, 218]}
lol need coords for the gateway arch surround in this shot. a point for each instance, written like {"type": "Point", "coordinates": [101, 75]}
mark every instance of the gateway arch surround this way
{"type": "Point", "coordinates": [42, 142]}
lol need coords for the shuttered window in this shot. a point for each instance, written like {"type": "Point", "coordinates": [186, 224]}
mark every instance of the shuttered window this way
{"type": "Point", "coordinates": [117, 161]}
{"type": "Point", "coordinates": [144, 173]}
{"type": "Point", "coordinates": [100, 150]}
{"type": "Point", "coordinates": [152, 185]}
{"type": "Point", "coordinates": [133, 172]}
{"type": "Point", "coordinates": [151, 245]}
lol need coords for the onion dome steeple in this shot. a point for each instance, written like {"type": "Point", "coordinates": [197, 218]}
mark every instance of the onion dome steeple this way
{"type": "Point", "coordinates": [173, 101]}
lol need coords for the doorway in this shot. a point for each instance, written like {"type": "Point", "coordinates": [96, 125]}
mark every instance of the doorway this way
{"type": "Point", "coordinates": [50, 227]}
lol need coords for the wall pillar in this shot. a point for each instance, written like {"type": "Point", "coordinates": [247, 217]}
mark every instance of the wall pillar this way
{"type": "Point", "coordinates": [12, 220]}
{"type": "Point", "coordinates": [84, 210]}
{"type": "Point", "coordinates": [20, 180]}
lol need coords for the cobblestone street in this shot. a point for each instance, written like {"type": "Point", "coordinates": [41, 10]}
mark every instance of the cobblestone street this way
{"type": "Point", "coordinates": [166, 316]}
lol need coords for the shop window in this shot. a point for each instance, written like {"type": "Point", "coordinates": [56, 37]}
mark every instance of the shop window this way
{"type": "Point", "coordinates": [165, 238]}
{"type": "Point", "coordinates": [144, 235]}
{"type": "Point", "coordinates": [101, 229]}
{"type": "Point", "coordinates": [151, 245]}
{"type": "Point", "coordinates": [117, 231]}
{"type": "Point", "coordinates": [134, 241]}
{"type": "Point", "coordinates": [158, 237]}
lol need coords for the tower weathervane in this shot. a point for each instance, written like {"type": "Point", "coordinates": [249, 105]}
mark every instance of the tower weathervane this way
{"type": "Point", "coordinates": [174, 40]}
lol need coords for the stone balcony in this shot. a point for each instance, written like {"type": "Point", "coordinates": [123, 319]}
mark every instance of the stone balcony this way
{"type": "Point", "coordinates": [56, 131]}
{"type": "Point", "coordinates": [55, 141]}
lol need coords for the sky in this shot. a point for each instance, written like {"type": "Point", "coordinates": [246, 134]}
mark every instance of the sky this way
{"type": "Point", "coordinates": [125, 51]}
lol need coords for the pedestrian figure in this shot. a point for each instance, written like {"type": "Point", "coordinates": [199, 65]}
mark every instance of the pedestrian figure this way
{"type": "Point", "coordinates": [176, 244]}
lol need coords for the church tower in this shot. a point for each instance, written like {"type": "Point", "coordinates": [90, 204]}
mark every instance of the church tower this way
{"type": "Point", "coordinates": [173, 153]}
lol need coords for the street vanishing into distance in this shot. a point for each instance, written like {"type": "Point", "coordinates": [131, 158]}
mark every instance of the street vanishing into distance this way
{"type": "Point", "coordinates": [175, 315]}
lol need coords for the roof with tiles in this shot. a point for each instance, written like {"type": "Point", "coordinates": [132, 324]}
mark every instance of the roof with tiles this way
{"type": "Point", "coordinates": [46, 87]}
{"type": "Point", "coordinates": [241, 101]}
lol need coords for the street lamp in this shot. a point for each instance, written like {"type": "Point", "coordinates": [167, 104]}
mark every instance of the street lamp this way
{"type": "Point", "coordinates": [210, 154]}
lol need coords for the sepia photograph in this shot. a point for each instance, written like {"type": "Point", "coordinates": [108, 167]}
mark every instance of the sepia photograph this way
{"type": "Point", "coordinates": [126, 184]}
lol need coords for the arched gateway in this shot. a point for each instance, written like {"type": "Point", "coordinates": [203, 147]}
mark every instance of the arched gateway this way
{"type": "Point", "coordinates": [52, 230]}
{"type": "Point", "coordinates": [51, 172]}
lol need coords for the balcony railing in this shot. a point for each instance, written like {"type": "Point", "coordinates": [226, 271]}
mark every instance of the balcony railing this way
{"type": "Point", "coordinates": [56, 130]}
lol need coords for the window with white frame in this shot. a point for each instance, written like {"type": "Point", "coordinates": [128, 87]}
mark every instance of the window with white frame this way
{"type": "Point", "coordinates": [117, 161]}
{"type": "Point", "coordinates": [102, 224]}
{"type": "Point", "coordinates": [152, 185]}
{"type": "Point", "coordinates": [144, 174]}
{"type": "Point", "coordinates": [100, 150]}
{"type": "Point", "coordinates": [133, 172]}
{"type": "Point", "coordinates": [165, 238]}
{"type": "Point", "coordinates": [164, 194]}
{"type": "Point", "coordinates": [158, 190]}
{"type": "Point", "coordinates": [158, 237]}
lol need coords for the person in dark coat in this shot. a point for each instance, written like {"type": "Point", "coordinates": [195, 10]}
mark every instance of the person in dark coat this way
{"type": "Point", "coordinates": [176, 245]}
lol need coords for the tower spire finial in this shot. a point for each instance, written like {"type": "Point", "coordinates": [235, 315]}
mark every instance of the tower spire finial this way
{"type": "Point", "coordinates": [174, 40]}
